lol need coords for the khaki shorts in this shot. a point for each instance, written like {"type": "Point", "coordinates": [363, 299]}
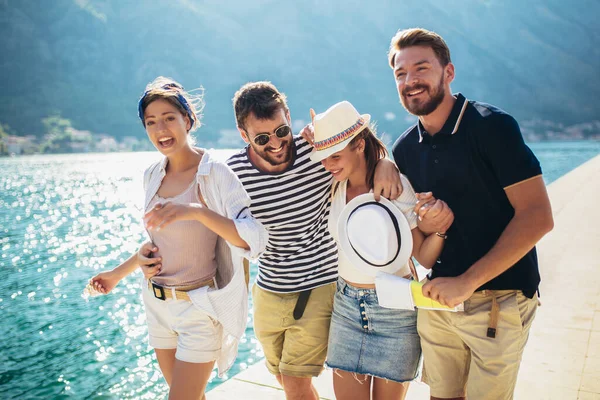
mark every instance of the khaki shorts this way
{"type": "Point", "coordinates": [460, 360]}
{"type": "Point", "coordinates": [293, 347]}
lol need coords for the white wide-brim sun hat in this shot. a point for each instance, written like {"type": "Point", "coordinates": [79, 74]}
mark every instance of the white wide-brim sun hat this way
{"type": "Point", "coordinates": [335, 128]}
{"type": "Point", "coordinates": [374, 236]}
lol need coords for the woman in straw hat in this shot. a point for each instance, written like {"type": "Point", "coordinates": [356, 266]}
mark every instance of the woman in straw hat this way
{"type": "Point", "coordinates": [375, 351]}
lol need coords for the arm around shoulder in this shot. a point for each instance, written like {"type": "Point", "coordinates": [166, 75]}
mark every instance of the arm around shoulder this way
{"type": "Point", "coordinates": [236, 204]}
{"type": "Point", "coordinates": [386, 181]}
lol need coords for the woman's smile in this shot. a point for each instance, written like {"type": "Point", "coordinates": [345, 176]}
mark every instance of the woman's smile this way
{"type": "Point", "coordinates": [166, 142]}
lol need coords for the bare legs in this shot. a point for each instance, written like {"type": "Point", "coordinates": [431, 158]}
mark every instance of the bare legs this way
{"type": "Point", "coordinates": [186, 380]}
{"type": "Point", "coordinates": [297, 388]}
{"type": "Point", "coordinates": [351, 386]}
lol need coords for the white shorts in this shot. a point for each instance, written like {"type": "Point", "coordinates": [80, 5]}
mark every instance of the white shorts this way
{"type": "Point", "coordinates": [178, 324]}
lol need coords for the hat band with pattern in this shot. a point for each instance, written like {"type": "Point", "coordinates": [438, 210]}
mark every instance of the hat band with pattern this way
{"type": "Point", "coordinates": [340, 137]}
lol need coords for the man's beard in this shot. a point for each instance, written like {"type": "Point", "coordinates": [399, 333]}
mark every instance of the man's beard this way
{"type": "Point", "coordinates": [426, 107]}
{"type": "Point", "coordinates": [263, 153]}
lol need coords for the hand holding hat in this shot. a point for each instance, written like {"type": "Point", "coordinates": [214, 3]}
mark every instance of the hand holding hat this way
{"type": "Point", "coordinates": [374, 236]}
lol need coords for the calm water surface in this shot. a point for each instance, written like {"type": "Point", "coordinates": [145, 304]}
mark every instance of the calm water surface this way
{"type": "Point", "coordinates": [64, 218]}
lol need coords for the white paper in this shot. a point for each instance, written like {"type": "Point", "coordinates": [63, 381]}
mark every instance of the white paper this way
{"type": "Point", "coordinates": [393, 291]}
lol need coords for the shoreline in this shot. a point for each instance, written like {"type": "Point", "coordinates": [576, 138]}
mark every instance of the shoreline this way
{"type": "Point", "coordinates": [150, 150]}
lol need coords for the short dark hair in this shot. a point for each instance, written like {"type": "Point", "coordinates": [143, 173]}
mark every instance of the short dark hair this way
{"type": "Point", "coordinates": [419, 37]}
{"type": "Point", "coordinates": [259, 98]}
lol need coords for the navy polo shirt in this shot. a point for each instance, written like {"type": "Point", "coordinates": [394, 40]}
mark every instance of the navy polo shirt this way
{"type": "Point", "coordinates": [479, 152]}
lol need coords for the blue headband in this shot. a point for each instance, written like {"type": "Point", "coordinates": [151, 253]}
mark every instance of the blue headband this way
{"type": "Point", "coordinates": [182, 100]}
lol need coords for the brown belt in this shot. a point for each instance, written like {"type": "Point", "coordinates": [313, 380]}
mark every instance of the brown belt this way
{"type": "Point", "coordinates": [163, 293]}
{"type": "Point", "coordinates": [494, 314]}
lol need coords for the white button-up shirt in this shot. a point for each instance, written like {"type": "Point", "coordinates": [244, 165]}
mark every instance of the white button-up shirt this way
{"type": "Point", "coordinates": [224, 194]}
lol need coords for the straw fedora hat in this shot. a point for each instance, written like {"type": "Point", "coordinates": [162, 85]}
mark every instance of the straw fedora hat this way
{"type": "Point", "coordinates": [374, 236]}
{"type": "Point", "coordinates": [335, 128]}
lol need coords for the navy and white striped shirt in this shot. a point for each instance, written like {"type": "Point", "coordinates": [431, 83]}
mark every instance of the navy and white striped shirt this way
{"type": "Point", "coordinates": [294, 206]}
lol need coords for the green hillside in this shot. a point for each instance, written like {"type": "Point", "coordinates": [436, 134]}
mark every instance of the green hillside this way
{"type": "Point", "coordinates": [89, 60]}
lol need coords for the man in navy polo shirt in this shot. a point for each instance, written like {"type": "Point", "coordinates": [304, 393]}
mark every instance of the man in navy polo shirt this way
{"type": "Point", "coordinates": [472, 156]}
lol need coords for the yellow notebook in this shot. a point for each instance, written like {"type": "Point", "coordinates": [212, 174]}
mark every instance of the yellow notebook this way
{"type": "Point", "coordinates": [421, 301]}
{"type": "Point", "coordinates": [405, 294]}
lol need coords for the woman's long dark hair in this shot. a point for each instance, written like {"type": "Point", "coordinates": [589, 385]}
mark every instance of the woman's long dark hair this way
{"type": "Point", "coordinates": [375, 150]}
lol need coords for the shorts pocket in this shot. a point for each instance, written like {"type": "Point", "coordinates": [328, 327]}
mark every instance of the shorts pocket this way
{"type": "Point", "coordinates": [527, 308]}
{"type": "Point", "coordinates": [200, 301]}
{"type": "Point", "coordinates": [509, 310]}
{"type": "Point", "coordinates": [345, 308]}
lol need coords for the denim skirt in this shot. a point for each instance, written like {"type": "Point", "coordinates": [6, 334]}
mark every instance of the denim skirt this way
{"type": "Point", "coordinates": [368, 339]}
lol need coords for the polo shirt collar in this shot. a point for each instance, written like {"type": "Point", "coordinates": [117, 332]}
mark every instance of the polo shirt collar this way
{"type": "Point", "coordinates": [453, 121]}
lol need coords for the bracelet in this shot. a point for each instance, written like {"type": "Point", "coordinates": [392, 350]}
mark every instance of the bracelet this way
{"type": "Point", "coordinates": [442, 235]}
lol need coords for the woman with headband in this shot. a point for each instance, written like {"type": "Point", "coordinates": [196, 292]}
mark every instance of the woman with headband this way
{"type": "Point", "coordinates": [197, 216]}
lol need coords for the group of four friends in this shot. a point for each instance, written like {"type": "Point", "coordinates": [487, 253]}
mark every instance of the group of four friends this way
{"type": "Point", "coordinates": [470, 189]}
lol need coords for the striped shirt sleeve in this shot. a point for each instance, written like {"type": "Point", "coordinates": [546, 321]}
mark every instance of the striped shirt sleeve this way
{"type": "Point", "coordinates": [236, 204]}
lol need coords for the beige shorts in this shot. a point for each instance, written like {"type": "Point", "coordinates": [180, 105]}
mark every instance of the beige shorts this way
{"type": "Point", "coordinates": [179, 324]}
{"type": "Point", "coordinates": [293, 347]}
{"type": "Point", "coordinates": [460, 360]}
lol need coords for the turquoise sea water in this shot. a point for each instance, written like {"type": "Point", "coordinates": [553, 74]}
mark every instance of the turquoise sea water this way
{"type": "Point", "coordinates": [64, 218]}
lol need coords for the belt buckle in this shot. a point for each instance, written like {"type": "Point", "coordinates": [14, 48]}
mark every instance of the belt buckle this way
{"type": "Point", "coordinates": [158, 291]}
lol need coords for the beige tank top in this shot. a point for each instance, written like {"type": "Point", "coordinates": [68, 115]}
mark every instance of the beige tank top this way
{"type": "Point", "coordinates": [187, 248]}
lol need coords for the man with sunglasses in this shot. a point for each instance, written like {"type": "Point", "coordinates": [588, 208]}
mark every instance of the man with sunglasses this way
{"type": "Point", "coordinates": [295, 285]}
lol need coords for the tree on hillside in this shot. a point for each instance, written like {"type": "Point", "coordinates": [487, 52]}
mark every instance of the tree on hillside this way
{"type": "Point", "coordinates": [56, 125]}
{"type": "Point", "coordinates": [58, 134]}
{"type": "Point", "coordinates": [3, 135]}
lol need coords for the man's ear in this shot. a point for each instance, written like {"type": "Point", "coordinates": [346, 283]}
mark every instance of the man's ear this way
{"type": "Point", "coordinates": [288, 117]}
{"type": "Point", "coordinates": [244, 135]}
{"type": "Point", "coordinates": [449, 73]}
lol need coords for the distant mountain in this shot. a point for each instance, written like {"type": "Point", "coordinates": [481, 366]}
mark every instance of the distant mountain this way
{"type": "Point", "coordinates": [89, 60]}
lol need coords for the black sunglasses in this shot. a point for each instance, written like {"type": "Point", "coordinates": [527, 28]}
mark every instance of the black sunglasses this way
{"type": "Point", "coordinates": [263, 138]}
